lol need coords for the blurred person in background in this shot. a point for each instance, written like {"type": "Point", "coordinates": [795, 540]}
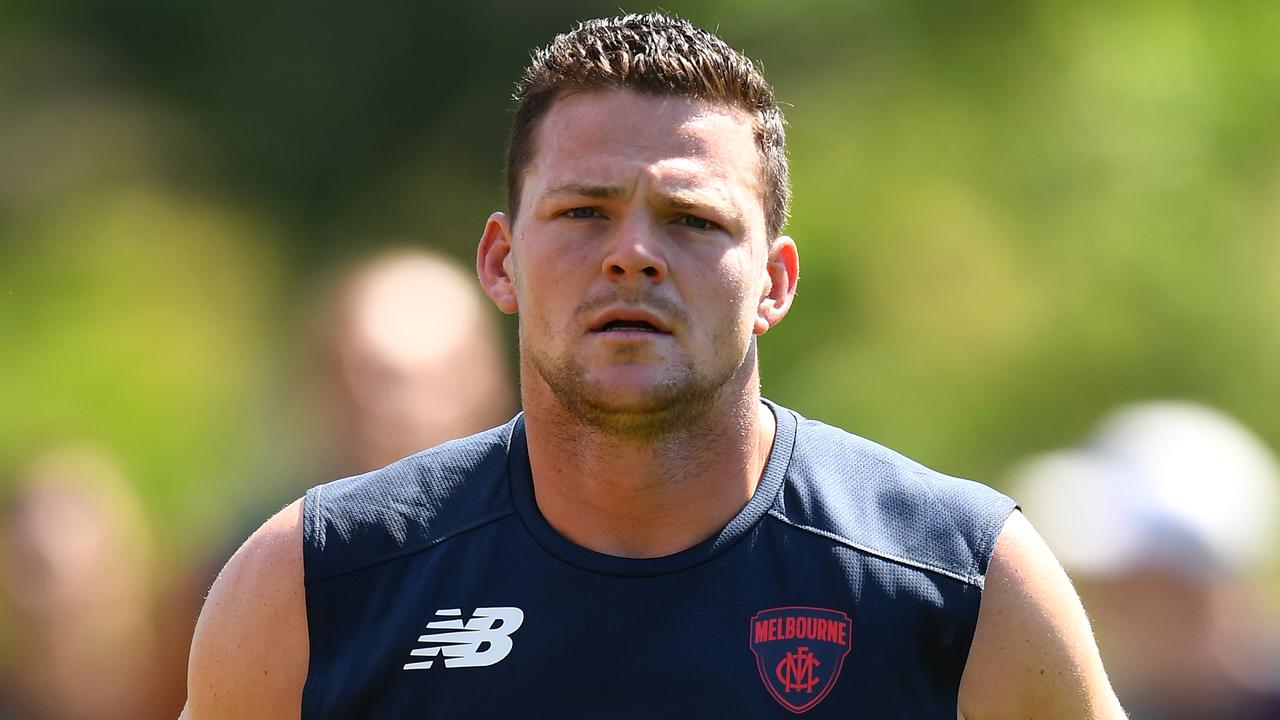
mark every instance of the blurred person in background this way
{"type": "Point", "coordinates": [1165, 519]}
{"type": "Point", "coordinates": [410, 358]}
{"type": "Point", "coordinates": [407, 357]}
{"type": "Point", "coordinates": [76, 581]}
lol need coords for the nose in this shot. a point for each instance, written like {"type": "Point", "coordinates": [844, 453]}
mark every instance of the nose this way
{"type": "Point", "coordinates": [635, 251]}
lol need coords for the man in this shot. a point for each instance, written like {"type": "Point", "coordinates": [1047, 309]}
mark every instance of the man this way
{"type": "Point", "coordinates": [649, 538]}
{"type": "Point", "coordinates": [411, 357]}
{"type": "Point", "coordinates": [406, 356]}
{"type": "Point", "coordinates": [1171, 565]}
{"type": "Point", "coordinates": [76, 576]}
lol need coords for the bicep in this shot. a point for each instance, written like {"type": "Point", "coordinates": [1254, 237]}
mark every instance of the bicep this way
{"type": "Point", "coordinates": [1033, 653]}
{"type": "Point", "coordinates": [250, 650]}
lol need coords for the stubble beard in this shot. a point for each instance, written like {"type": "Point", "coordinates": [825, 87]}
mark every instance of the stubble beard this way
{"type": "Point", "coordinates": [678, 404]}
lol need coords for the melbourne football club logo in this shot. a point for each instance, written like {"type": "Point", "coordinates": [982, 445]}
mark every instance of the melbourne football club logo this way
{"type": "Point", "coordinates": [799, 652]}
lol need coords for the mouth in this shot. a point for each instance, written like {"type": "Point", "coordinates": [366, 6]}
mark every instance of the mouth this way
{"type": "Point", "coordinates": [626, 321]}
{"type": "Point", "coordinates": [628, 326]}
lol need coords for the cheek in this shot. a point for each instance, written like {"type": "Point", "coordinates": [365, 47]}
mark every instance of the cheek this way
{"type": "Point", "coordinates": [740, 289]}
{"type": "Point", "coordinates": [547, 306]}
{"type": "Point", "coordinates": [732, 292]}
{"type": "Point", "coordinates": [530, 282]}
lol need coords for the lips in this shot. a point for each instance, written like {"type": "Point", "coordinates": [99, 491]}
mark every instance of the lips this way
{"type": "Point", "coordinates": [627, 325]}
{"type": "Point", "coordinates": [629, 320]}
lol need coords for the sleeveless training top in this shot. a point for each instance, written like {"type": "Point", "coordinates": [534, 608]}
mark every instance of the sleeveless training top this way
{"type": "Point", "coordinates": [847, 587]}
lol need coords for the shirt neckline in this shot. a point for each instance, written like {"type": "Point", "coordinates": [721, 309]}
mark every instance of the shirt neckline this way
{"type": "Point", "coordinates": [766, 492]}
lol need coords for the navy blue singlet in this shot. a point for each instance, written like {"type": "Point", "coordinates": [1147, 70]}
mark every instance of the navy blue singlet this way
{"type": "Point", "coordinates": [848, 587]}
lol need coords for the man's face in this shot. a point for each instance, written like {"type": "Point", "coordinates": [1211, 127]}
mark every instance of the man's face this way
{"type": "Point", "coordinates": [639, 257]}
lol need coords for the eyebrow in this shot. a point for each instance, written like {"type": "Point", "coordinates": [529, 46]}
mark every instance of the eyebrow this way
{"type": "Point", "coordinates": [686, 200]}
{"type": "Point", "coordinates": [603, 192]}
{"type": "Point", "coordinates": [679, 199]}
{"type": "Point", "coordinates": [676, 198]}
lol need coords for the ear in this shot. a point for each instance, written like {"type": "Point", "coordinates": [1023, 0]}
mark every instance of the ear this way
{"type": "Point", "coordinates": [494, 263]}
{"type": "Point", "coordinates": [783, 273]}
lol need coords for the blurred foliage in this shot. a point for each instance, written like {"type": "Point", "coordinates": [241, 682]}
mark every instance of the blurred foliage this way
{"type": "Point", "coordinates": [1012, 216]}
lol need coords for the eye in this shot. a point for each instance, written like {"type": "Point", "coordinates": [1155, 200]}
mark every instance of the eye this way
{"type": "Point", "coordinates": [697, 223]}
{"type": "Point", "coordinates": [581, 213]}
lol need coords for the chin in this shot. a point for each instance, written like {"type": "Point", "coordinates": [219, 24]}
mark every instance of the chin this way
{"type": "Point", "coordinates": [627, 402]}
{"type": "Point", "coordinates": [645, 419]}
{"type": "Point", "coordinates": [630, 401]}
{"type": "Point", "coordinates": [634, 390]}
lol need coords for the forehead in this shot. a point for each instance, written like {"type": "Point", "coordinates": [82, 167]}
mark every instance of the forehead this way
{"type": "Point", "coordinates": [590, 136]}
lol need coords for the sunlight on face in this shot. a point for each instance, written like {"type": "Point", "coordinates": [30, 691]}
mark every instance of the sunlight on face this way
{"type": "Point", "coordinates": [639, 257]}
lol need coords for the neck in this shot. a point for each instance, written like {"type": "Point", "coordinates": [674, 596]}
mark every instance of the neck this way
{"type": "Point", "coordinates": [653, 496]}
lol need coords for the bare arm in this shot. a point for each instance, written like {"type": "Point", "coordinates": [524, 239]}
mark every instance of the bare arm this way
{"type": "Point", "coordinates": [1033, 653]}
{"type": "Point", "coordinates": [250, 651]}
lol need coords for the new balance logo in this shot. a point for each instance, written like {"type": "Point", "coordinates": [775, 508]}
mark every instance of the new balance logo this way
{"type": "Point", "coordinates": [483, 640]}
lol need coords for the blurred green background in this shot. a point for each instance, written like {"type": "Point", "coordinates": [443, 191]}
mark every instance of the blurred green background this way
{"type": "Point", "coordinates": [1012, 216]}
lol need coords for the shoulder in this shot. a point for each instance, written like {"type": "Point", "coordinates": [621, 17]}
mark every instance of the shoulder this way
{"type": "Point", "coordinates": [1033, 653]}
{"type": "Point", "coordinates": [407, 506]}
{"type": "Point", "coordinates": [250, 650]}
{"type": "Point", "coordinates": [876, 500]}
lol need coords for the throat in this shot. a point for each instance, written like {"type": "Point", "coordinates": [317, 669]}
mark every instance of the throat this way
{"type": "Point", "coordinates": [642, 521]}
{"type": "Point", "coordinates": [649, 500]}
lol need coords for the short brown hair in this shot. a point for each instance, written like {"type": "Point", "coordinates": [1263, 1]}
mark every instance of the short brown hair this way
{"type": "Point", "coordinates": [658, 54]}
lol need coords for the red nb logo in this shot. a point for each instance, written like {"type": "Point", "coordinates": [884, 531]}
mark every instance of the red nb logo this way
{"type": "Point", "coordinates": [795, 670]}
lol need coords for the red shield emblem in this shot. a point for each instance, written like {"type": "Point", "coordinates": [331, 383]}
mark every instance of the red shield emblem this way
{"type": "Point", "coordinates": [799, 652]}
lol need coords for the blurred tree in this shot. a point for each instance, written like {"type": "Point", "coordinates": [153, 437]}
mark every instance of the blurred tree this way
{"type": "Point", "coordinates": [1012, 216]}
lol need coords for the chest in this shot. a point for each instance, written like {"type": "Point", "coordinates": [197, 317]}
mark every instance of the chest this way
{"type": "Point", "coordinates": [495, 627]}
